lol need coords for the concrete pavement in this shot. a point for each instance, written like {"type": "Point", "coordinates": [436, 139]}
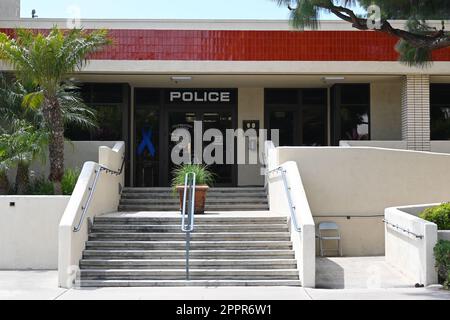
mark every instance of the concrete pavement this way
{"type": "Point", "coordinates": [42, 285]}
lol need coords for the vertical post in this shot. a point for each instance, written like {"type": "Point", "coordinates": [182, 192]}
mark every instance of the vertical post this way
{"type": "Point", "coordinates": [416, 112]}
{"type": "Point", "coordinates": [188, 244]}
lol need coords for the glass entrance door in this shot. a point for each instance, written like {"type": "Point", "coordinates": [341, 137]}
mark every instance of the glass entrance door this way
{"type": "Point", "coordinates": [218, 120]}
{"type": "Point", "coordinates": [147, 148]}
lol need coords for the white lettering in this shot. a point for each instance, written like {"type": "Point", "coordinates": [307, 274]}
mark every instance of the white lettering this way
{"type": "Point", "coordinates": [200, 97]}
{"type": "Point", "coordinates": [174, 95]}
{"type": "Point", "coordinates": [225, 97]}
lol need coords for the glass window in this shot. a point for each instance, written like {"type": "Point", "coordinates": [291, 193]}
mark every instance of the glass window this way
{"type": "Point", "coordinates": [109, 103]}
{"type": "Point", "coordinates": [147, 147]}
{"type": "Point", "coordinates": [282, 96]}
{"type": "Point", "coordinates": [300, 115]}
{"type": "Point", "coordinates": [314, 126]}
{"type": "Point", "coordinates": [283, 121]}
{"type": "Point", "coordinates": [440, 111]}
{"type": "Point", "coordinates": [351, 109]}
{"type": "Point", "coordinates": [354, 122]}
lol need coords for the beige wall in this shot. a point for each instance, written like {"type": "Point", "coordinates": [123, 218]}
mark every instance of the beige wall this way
{"type": "Point", "coordinates": [29, 231]}
{"type": "Point", "coordinates": [386, 109]}
{"type": "Point", "coordinates": [362, 183]}
{"type": "Point", "coordinates": [250, 107]}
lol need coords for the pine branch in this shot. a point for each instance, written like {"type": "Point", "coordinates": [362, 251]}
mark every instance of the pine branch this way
{"type": "Point", "coordinates": [430, 41]}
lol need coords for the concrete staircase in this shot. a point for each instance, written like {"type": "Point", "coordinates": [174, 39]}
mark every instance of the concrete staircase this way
{"type": "Point", "coordinates": [140, 250]}
{"type": "Point", "coordinates": [218, 199]}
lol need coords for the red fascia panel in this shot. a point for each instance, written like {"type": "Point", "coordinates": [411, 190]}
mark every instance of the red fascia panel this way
{"type": "Point", "coordinates": [227, 45]}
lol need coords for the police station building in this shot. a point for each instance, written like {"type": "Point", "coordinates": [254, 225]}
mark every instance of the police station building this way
{"type": "Point", "coordinates": [325, 87]}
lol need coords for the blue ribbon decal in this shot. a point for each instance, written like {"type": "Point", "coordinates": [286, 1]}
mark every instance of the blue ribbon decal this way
{"type": "Point", "coordinates": [147, 143]}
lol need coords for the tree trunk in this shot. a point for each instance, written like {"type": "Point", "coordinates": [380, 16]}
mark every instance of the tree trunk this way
{"type": "Point", "coordinates": [54, 119]}
{"type": "Point", "coordinates": [22, 178]}
{"type": "Point", "coordinates": [4, 183]}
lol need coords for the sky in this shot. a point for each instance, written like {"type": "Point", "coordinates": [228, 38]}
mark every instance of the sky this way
{"type": "Point", "coordinates": [157, 9]}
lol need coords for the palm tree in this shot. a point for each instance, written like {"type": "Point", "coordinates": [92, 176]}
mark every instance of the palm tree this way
{"type": "Point", "coordinates": [17, 118]}
{"type": "Point", "coordinates": [19, 148]}
{"type": "Point", "coordinates": [45, 61]}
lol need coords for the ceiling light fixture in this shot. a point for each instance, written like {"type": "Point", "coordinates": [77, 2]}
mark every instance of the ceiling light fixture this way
{"type": "Point", "coordinates": [181, 78]}
{"type": "Point", "coordinates": [333, 79]}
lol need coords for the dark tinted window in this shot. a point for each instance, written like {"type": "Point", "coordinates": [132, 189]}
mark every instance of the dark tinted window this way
{"type": "Point", "coordinates": [102, 92]}
{"type": "Point", "coordinates": [355, 94]}
{"type": "Point", "coordinates": [282, 96]}
{"type": "Point", "coordinates": [109, 102]}
{"type": "Point", "coordinates": [440, 111]}
{"type": "Point", "coordinates": [351, 110]}
{"type": "Point", "coordinates": [314, 96]}
{"type": "Point", "coordinates": [145, 97]}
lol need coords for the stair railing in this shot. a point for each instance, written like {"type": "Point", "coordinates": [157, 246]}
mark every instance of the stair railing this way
{"type": "Point", "coordinates": [98, 171]}
{"type": "Point", "coordinates": [287, 190]}
{"type": "Point", "coordinates": [188, 214]}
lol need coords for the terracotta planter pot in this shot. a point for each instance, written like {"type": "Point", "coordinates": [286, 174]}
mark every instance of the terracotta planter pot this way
{"type": "Point", "coordinates": [200, 198]}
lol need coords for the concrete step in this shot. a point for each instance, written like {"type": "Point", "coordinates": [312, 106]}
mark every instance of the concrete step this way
{"type": "Point", "coordinates": [181, 263]}
{"type": "Point", "coordinates": [195, 245]}
{"type": "Point", "coordinates": [209, 202]}
{"type": "Point", "coordinates": [195, 274]}
{"type": "Point", "coordinates": [231, 207]}
{"type": "Point", "coordinates": [211, 190]}
{"type": "Point", "coordinates": [194, 283]}
{"type": "Point", "coordinates": [199, 220]}
{"type": "Point", "coordinates": [127, 254]}
{"type": "Point", "coordinates": [219, 228]}
{"type": "Point", "coordinates": [209, 197]}
{"type": "Point", "coordinates": [226, 236]}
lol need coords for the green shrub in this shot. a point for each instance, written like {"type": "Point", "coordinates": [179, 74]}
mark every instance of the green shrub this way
{"type": "Point", "coordinates": [439, 215]}
{"type": "Point", "coordinates": [69, 181]}
{"type": "Point", "coordinates": [203, 175]}
{"type": "Point", "coordinates": [41, 186]}
{"type": "Point", "coordinates": [442, 254]}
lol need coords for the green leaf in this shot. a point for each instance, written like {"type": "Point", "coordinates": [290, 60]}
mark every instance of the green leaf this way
{"type": "Point", "coordinates": [33, 100]}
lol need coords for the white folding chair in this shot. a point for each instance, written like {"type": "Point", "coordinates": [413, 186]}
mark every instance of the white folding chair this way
{"type": "Point", "coordinates": [329, 231]}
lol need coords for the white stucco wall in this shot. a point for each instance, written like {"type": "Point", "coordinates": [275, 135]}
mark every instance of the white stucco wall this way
{"type": "Point", "coordinates": [411, 253]}
{"type": "Point", "coordinates": [105, 199]}
{"type": "Point", "coordinates": [29, 232]}
{"type": "Point", "coordinates": [250, 107]}
{"type": "Point", "coordinates": [386, 110]}
{"type": "Point", "coordinates": [362, 182]}
{"type": "Point", "coordinates": [301, 222]}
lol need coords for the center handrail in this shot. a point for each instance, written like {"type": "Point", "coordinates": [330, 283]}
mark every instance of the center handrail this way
{"type": "Point", "coordinates": [287, 190]}
{"type": "Point", "coordinates": [188, 197]}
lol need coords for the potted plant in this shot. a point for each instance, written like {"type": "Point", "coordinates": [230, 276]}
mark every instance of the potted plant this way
{"type": "Point", "coordinates": [204, 178]}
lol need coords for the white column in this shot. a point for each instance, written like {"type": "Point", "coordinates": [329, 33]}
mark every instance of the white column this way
{"type": "Point", "coordinates": [416, 112]}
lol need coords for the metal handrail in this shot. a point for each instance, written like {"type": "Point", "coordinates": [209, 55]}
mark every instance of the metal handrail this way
{"type": "Point", "coordinates": [189, 228]}
{"type": "Point", "coordinates": [396, 226]}
{"type": "Point", "coordinates": [85, 208]}
{"type": "Point", "coordinates": [287, 190]}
